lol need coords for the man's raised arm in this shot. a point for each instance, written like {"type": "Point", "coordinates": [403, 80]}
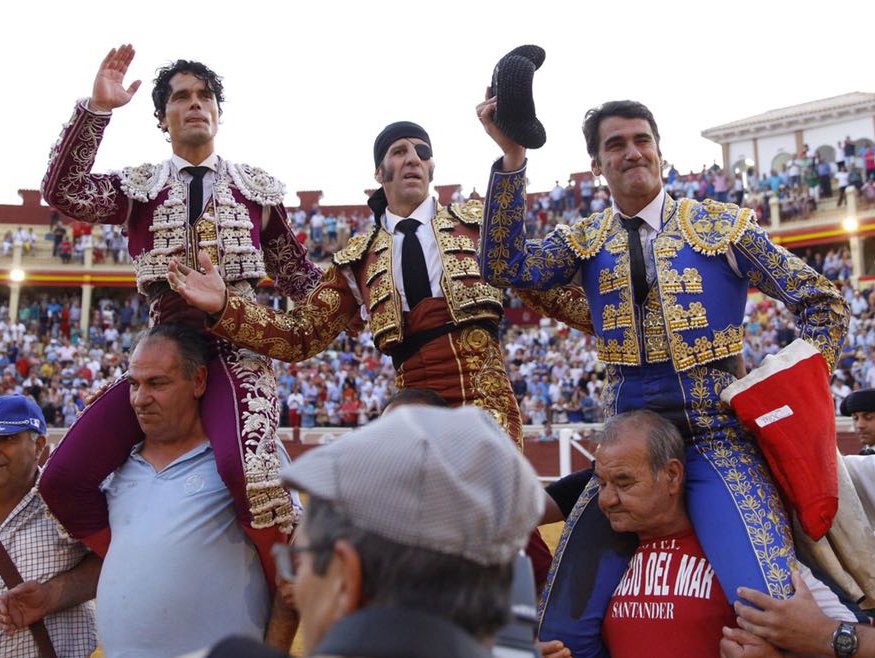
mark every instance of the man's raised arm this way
{"type": "Point", "coordinates": [69, 186]}
{"type": "Point", "coordinates": [506, 257]}
{"type": "Point", "coordinates": [109, 91]}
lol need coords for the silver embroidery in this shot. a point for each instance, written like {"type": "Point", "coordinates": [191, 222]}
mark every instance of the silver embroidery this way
{"type": "Point", "coordinates": [256, 184]}
{"type": "Point", "coordinates": [269, 502]}
{"type": "Point", "coordinates": [238, 257]}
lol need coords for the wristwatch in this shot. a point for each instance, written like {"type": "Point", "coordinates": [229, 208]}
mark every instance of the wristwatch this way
{"type": "Point", "coordinates": [844, 640]}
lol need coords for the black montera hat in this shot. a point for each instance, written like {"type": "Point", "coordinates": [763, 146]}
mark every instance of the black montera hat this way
{"type": "Point", "coordinates": [512, 85]}
{"type": "Point", "coordinates": [858, 401]}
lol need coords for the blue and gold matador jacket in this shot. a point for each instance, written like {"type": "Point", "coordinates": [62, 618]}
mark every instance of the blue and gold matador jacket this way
{"type": "Point", "coordinates": [668, 355]}
{"type": "Point", "coordinates": [693, 313]}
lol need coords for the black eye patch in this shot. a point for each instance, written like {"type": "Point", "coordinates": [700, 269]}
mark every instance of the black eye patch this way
{"type": "Point", "coordinates": [423, 151]}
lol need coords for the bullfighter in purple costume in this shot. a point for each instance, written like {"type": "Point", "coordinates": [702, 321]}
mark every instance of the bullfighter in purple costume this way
{"type": "Point", "coordinates": [239, 220]}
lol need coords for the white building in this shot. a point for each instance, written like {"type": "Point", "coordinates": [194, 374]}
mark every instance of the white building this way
{"type": "Point", "coordinates": [767, 141]}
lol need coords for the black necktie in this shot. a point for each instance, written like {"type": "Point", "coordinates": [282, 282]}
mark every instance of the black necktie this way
{"type": "Point", "coordinates": [636, 257]}
{"type": "Point", "coordinates": [196, 192]}
{"type": "Point", "coordinates": [414, 272]}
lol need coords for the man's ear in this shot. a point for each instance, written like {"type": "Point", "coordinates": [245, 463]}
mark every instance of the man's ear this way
{"type": "Point", "coordinates": [675, 473]}
{"type": "Point", "coordinates": [200, 381]}
{"type": "Point", "coordinates": [347, 566]}
{"type": "Point", "coordinates": [595, 167]}
{"type": "Point", "coordinates": [378, 174]}
{"type": "Point", "coordinates": [40, 445]}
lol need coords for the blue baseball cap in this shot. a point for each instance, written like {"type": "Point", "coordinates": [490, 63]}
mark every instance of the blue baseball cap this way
{"type": "Point", "coordinates": [20, 412]}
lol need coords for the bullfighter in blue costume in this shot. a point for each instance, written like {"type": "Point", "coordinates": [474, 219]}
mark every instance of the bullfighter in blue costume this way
{"type": "Point", "coordinates": [667, 315]}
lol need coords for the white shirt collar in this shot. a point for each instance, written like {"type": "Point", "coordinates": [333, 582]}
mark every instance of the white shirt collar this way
{"type": "Point", "coordinates": [423, 214]}
{"type": "Point", "coordinates": [212, 162]}
{"type": "Point", "coordinates": [651, 213]}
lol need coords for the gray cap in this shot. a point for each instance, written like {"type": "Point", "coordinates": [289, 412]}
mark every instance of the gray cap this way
{"type": "Point", "coordinates": [449, 480]}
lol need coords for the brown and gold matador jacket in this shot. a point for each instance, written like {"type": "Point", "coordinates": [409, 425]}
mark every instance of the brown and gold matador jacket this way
{"type": "Point", "coordinates": [361, 280]}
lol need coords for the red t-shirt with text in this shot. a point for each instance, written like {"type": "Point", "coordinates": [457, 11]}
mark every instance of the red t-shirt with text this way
{"type": "Point", "coordinates": [668, 603]}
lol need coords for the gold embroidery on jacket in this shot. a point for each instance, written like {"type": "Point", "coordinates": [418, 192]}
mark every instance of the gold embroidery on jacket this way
{"type": "Point", "coordinates": [381, 293]}
{"type": "Point", "coordinates": [612, 279]}
{"type": "Point", "coordinates": [483, 357]}
{"type": "Point", "coordinates": [615, 351]}
{"type": "Point", "coordinates": [566, 303]}
{"type": "Point", "coordinates": [356, 247]}
{"type": "Point", "coordinates": [374, 270]}
{"type": "Point", "coordinates": [689, 282]}
{"type": "Point", "coordinates": [454, 243]}
{"type": "Point", "coordinates": [621, 315]}
{"type": "Point", "coordinates": [677, 318]}
{"type": "Point", "coordinates": [468, 297]}
{"type": "Point", "coordinates": [279, 334]}
{"type": "Point", "coordinates": [470, 212]}
{"type": "Point", "coordinates": [586, 236]}
{"type": "Point", "coordinates": [710, 227]}
{"type": "Point", "coordinates": [655, 338]}
{"type": "Point", "coordinates": [206, 237]}
{"type": "Point", "coordinates": [459, 268]}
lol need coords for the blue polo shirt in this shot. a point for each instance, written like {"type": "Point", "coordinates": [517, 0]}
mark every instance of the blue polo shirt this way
{"type": "Point", "coordinates": [180, 573]}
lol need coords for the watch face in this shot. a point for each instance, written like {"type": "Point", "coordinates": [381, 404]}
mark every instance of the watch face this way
{"type": "Point", "coordinates": [844, 642]}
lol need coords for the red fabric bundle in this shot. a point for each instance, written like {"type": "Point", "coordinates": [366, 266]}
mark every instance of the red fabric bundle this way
{"type": "Point", "coordinates": [788, 405]}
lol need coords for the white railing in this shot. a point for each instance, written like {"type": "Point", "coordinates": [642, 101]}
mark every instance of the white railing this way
{"type": "Point", "coordinates": [568, 441]}
{"type": "Point", "coordinates": [570, 436]}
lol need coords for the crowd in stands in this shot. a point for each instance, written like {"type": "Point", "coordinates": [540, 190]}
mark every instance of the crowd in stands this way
{"type": "Point", "coordinates": [770, 327]}
{"type": "Point", "coordinates": [69, 241]}
{"type": "Point", "coordinates": [835, 264]}
{"type": "Point", "coordinates": [804, 180]}
{"type": "Point", "coordinates": [553, 369]}
{"type": "Point", "coordinates": [26, 237]}
{"type": "Point", "coordinates": [44, 354]}
{"type": "Point", "coordinates": [326, 232]}
{"type": "Point", "coordinates": [800, 184]}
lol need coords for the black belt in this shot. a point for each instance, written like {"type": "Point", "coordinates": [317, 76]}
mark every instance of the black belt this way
{"type": "Point", "coordinates": [412, 344]}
